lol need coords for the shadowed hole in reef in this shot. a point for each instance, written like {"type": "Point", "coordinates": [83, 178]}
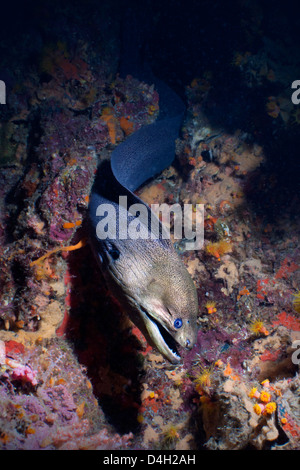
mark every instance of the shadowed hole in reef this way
{"type": "Point", "coordinates": [102, 340]}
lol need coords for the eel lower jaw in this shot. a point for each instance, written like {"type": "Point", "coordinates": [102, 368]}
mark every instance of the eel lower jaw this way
{"type": "Point", "coordinates": [161, 338]}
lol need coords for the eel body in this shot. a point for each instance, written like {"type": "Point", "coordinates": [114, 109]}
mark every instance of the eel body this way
{"type": "Point", "coordinates": [146, 275]}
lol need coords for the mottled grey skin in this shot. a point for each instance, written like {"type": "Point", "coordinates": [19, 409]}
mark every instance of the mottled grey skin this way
{"type": "Point", "coordinates": [154, 287]}
{"type": "Point", "coordinates": [146, 276]}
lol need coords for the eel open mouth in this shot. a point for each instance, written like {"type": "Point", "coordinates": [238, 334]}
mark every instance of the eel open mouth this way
{"type": "Point", "coordinates": [161, 338]}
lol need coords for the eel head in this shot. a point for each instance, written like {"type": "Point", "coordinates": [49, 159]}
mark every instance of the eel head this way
{"type": "Point", "coordinates": [158, 294]}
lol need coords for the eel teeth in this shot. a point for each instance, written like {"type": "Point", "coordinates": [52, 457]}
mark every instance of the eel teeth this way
{"type": "Point", "coordinates": [162, 338]}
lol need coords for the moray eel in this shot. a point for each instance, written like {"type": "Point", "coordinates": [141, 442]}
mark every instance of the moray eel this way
{"type": "Point", "coordinates": [146, 276]}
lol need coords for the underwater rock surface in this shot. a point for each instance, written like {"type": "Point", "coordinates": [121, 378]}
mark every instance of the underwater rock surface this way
{"type": "Point", "coordinates": [75, 373]}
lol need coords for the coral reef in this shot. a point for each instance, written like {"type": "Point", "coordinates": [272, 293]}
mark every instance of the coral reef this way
{"type": "Point", "coordinates": [75, 373]}
{"type": "Point", "coordinates": [56, 409]}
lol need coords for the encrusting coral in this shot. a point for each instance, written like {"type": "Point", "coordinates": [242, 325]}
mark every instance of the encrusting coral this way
{"type": "Point", "coordinates": [74, 372]}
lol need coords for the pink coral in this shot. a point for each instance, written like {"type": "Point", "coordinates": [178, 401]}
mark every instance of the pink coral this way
{"type": "Point", "coordinates": [25, 374]}
{"type": "Point", "coordinates": [74, 437]}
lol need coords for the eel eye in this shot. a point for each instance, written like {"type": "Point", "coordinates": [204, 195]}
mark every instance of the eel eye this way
{"type": "Point", "coordinates": [178, 323]}
{"type": "Point", "coordinates": [114, 253]}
